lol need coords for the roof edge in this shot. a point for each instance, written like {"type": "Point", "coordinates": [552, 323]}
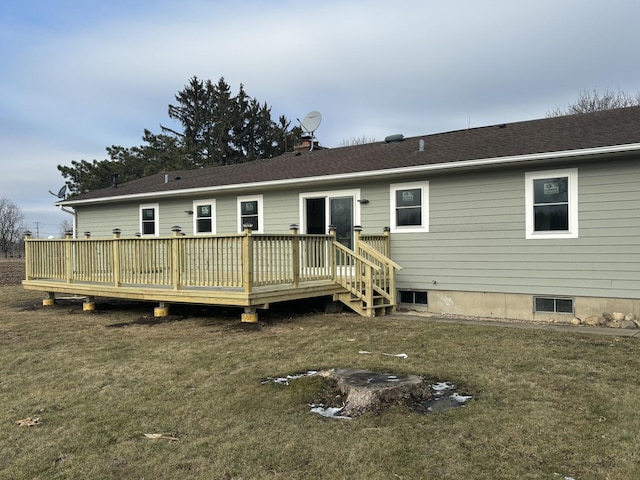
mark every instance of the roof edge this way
{"type": "Point", "coordinates": [438, 167]}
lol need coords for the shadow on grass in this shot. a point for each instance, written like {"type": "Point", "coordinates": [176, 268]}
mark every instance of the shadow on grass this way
{"type": "Point", "coordinates": [281, 313]}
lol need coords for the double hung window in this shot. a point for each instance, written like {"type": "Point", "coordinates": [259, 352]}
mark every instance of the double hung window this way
{"type": "Point", "coordinates": [149, 219]}
{"type": "Point", "coordinates": [552, 204]}
{"type": "Point", "coordinates": [204, 221]}
{"type": "Point", "coordinates": [410, 207]}
{"type": "Point", "coordinates": [250, 213]}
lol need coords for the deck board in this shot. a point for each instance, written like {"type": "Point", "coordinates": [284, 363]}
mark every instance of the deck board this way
{"type": "Point", "coordinates": [223, 296]}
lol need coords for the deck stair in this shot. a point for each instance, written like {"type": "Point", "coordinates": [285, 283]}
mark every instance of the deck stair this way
{"type": "Point", "coordinates": [368, 276]}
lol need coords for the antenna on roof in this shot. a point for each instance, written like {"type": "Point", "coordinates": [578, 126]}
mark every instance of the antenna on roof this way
{"type": "Point", "coordinates": [61, 193]}
{"type": "Point", "coordinates": [310, 124]}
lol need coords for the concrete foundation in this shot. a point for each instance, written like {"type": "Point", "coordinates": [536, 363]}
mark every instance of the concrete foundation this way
{"type": "Point", "coordinates": [50, 300]}
{"type": "Point", "coordinates": [519, 306]}
{"type": "Point", "coordinates": [161, 311]}
{"type": "Point", "coordinates": [249, 316]}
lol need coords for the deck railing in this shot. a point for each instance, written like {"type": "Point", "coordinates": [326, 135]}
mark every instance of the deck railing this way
{"type": "Point", "coordinates": [240, 262]}
{"type": "Point", "coordinates": [237, 261]}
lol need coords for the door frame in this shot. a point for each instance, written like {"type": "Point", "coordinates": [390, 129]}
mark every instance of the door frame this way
{"type": "Point", "coordinates": [327, 194]}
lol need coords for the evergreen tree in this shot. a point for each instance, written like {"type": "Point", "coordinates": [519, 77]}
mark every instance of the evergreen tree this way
{"type": "Point", "coordinates": [215, 128]}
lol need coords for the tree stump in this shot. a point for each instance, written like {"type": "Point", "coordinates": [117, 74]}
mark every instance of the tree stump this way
{"type": "Point", "coordinates": [370, 391]}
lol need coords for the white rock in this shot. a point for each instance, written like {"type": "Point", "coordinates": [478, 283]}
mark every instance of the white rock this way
{"type": "Point", "coordinates": [593, 321]}
{"type": "Point", "coordinates": [618, 316]}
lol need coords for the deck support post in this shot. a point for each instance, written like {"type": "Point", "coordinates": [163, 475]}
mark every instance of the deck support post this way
{"type": "Point", "coordinates": [161, 310]}
{"type": "Point", "coordinates": [247, 259]}
{"type": "Point", "coordinates": [333, 261]}
{"type": "Point", "coordinates": [89, 304]}
{"type": "Point", "coordinates": [116, 257]}
{"type": "Point", "coordinates": [175, 257]}
{"type": "Point", "coordinates": [295, 254]}
{"type": "Point", "coordinates": [50, 300]}
{"type": "Point", "coordinates": [27, 255]}
{"type": "Point", "coordinates": [386, 231]}
{"type": "Point", "coordinates": [357, 234]}
{"type": "Point", "coordinates": [250, 315]}
{"type": "Point", "coordinates": [68, 236]}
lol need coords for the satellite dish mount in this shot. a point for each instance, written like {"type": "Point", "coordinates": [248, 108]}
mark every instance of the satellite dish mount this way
{"type": "Point", "coordinates": [310, 124]}
{"type": "Point", "coordinates": [62, 193]}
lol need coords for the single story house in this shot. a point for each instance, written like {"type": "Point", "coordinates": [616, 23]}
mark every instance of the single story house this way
{"type": "Point", "coordinates": [534, 220]}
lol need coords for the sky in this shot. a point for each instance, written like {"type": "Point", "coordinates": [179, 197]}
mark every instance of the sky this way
{"type": "Point", "coordinates": [77, 76]}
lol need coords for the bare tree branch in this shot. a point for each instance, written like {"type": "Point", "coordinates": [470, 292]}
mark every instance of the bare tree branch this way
{"type": "Point", "coordinates": [594, 101]}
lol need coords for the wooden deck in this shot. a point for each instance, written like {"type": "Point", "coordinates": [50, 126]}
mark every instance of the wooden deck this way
{"type": "Point", "coordinates": [246, 270]}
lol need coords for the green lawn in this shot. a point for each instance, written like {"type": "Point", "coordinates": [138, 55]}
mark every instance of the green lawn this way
{"type": "Point", "coordinates": [546, 405]}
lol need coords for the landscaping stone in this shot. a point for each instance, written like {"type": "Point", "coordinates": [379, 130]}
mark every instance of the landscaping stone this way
{"type": "Point", "coordinates": [617, 316]}
{"type": "Point", "coordinates": [593, 321]}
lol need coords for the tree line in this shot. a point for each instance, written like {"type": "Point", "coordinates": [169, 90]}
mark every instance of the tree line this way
{"type": "Point", "coordinates": [11, 227]}
{"type": "Point", "coordinates": [213, 127]}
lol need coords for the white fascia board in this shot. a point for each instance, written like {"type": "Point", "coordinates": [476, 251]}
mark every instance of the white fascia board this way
{"type": "Point", "coordinates": [438, 167]}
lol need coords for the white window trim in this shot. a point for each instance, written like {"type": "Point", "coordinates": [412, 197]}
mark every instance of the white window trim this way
{"type": "Point", "coordinates": [198, 203]}
{"type": "Point", "coordinates": [156, 220]}
{"type": "Point", "coordinates": [355, 193]}
{"type": "Point", "coordinates": [424, 187]}
{"type": "Point", "coordinates": [572, 175]}
{"type": "Point", "coordinates": [251, 198]}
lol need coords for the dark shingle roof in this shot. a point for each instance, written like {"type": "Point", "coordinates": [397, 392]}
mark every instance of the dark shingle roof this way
{"type": "Point", "coordinates": [574, 132]}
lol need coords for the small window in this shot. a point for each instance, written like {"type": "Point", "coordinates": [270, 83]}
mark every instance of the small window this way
{"type": "Point", "coordinates": [552, 204]}
{"type": "Point", "coordinates": [250, 213]}
{"type": "Point", "coordinates": [410, 296]}
{"type": "Point", "coordinates": [149, 219]}
{"type": "Point", "coordinates": [409, 207]}
{"type": "Point", "coordinates": [552, 305]}
{"type": "Point", "coordinates": [204, 217]}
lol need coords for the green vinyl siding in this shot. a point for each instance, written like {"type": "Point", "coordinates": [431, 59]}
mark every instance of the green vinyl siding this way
{"type": "Point", "coordinates": [477, 238]}
{"type": "Point", "coordinates": [100, 220]}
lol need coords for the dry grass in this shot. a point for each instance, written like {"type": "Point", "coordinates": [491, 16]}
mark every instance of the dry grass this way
{"type": "Point", "coordinates": [11, 271]}
{"type": "Point", "coordinates": [546, 405]}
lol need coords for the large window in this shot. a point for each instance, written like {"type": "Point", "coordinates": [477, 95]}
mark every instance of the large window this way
{"type": "Point", "coordinates": [410, 207]}
{"type": "Point", "coordinates": [552, 204]}
{"type": "Point", "coordinates": [149, 220]}
{"type": "Point", "coordinates": [250, 213]}
{"type": "Point", "coordinates": [204, 217]}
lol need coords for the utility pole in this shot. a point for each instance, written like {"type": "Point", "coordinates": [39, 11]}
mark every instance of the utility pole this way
{"type": "Point", "coordinates": [37, 229]}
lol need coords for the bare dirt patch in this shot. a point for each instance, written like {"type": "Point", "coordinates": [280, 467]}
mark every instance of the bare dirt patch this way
{"type": "Point", "coordinates": [11, 272]}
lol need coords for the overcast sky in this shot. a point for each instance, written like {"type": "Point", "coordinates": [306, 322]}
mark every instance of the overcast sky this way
{"type": "Point", "coordinates": [80, 75]}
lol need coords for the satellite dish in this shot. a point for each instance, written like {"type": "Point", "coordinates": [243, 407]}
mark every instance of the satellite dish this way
{"type": "Point", "coordinates": [61, 193]}
{"type": "Point", "coordinates": [310, 123]}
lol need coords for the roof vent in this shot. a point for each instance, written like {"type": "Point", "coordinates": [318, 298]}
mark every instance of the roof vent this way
{"type": "Point", "coordinates": [398, 137]}
{"type": "Point", "coordinates": [421, 145]}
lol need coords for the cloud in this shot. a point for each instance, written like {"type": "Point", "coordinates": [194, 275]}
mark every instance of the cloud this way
{"type": "Point", "coordinates": [80, 76]}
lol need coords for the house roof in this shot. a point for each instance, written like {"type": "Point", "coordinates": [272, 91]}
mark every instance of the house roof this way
{"type": "Point", "coordinates": [598, 132]}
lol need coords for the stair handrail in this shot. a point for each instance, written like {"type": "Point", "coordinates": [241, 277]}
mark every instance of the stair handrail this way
{"type": "Point", "coordinates": [387, 290]}
{"type": "Point", "coordinates": [378, 255]}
